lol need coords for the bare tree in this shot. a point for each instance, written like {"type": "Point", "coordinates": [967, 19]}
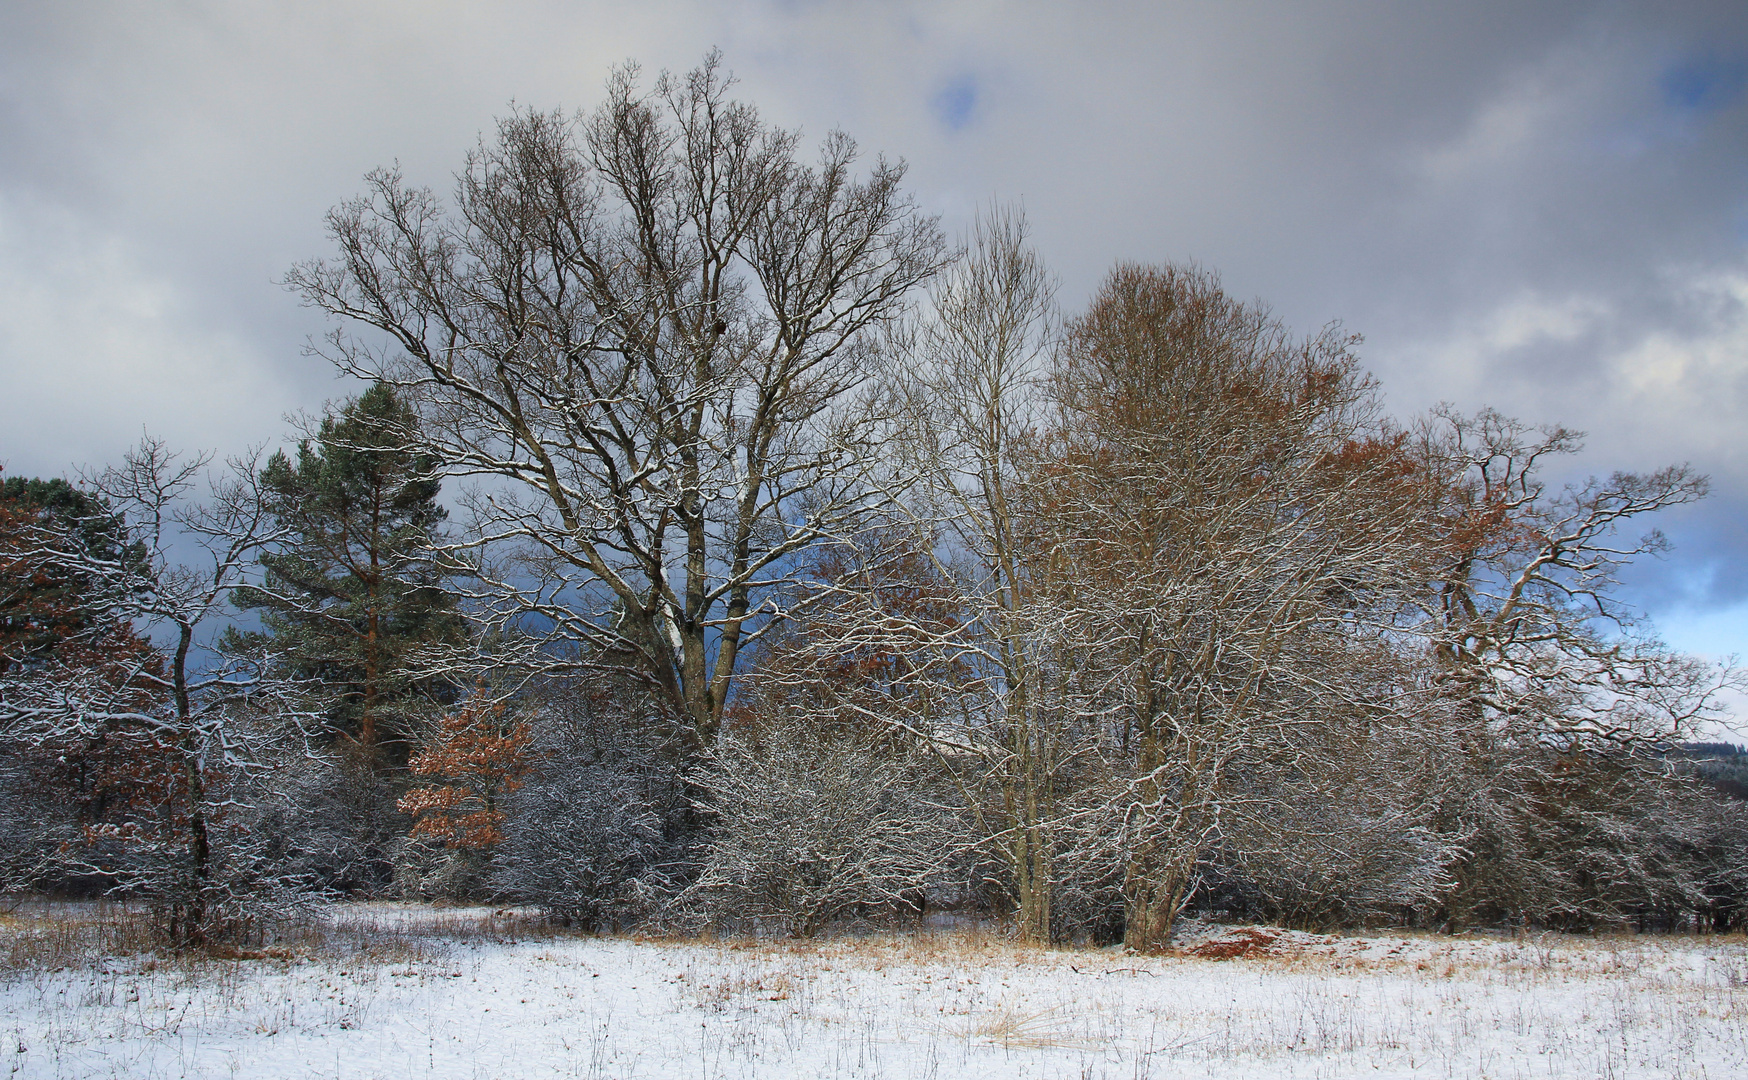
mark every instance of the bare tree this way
{"type": "Point", "coordinates": [1228, 512]}
{"type": "Point", "coordinates": [974, 399]}
{"type": "Point", "coordinates": [175, 722]}
{"type": "Point", "coordinates": [1528, 628]}
{"type": "Point", "coordinates": [644, 332]}
{"type": "Point", "coordinates": [931, 626]}
{"type": "Point", "coordinates": [1557, 692]}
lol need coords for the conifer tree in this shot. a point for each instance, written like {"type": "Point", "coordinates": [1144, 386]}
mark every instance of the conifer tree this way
{"type": "Point", "coordinates": [353, 588]}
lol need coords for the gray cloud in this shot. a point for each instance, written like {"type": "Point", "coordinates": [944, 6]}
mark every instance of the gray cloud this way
{"type": "Point", "coordinates": [1541, 207]}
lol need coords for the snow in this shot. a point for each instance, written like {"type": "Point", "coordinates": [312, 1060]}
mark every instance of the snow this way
{"type": "Point", "coordinates": [407, 992]}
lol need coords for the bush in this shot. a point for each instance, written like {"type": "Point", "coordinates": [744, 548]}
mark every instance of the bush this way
{"type": "Point", "coordinates": [598, 833]}
{"type": "Point", "coordinates": [808, 829]}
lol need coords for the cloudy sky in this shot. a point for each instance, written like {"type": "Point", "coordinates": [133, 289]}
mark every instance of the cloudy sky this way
{"type": "Point", "coordinates": [1540, 207]}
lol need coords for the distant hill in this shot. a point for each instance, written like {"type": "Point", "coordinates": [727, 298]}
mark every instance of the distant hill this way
{"type": "Point", "coordinates": [1722, 765]}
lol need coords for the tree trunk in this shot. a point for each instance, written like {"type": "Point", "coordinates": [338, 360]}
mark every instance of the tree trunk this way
{"type": "Point", "coordinates": [1153, 894]}
{"type": "Point", "coordinates": [188, 918]}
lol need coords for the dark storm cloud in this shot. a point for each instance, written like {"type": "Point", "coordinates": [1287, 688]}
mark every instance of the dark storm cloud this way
{"type": "Point", "coordinates": [1542, 207]}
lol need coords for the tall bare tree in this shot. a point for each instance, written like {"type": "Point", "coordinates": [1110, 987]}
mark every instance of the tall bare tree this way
{"type": "Point", "coordinates": [1228, 514]}
{"type": "Point", "coordinates": [645, 332]}
{"type": "Point", "coordinates": [975, 408]}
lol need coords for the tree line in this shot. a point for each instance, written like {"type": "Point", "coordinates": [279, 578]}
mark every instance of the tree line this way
{"type": "Point", "coordinates": [810, 570]}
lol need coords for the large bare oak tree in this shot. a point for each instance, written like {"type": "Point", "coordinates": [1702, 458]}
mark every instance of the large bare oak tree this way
{"type": "Point", "coordinates": [646, 332]}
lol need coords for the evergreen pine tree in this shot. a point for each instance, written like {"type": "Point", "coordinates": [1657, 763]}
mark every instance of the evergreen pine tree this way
{"type": "Point", "coordinates": [354, 590]}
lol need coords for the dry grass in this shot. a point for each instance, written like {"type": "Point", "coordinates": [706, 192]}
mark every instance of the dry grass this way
{"type": "Point", "coordinates": [971, 945]}
{"type": "Point", "coordinates": [1033, 1029]}
{"type": "Point", "coordinates": [46, 936]}
{"type": "Point", "coordinates": [55, 936]}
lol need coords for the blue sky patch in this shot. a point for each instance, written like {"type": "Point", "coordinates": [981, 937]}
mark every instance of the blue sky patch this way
{"type": "Point", "coordinates": [1704, 84]}
{"type": "Point", "coordinates": [956, 102]}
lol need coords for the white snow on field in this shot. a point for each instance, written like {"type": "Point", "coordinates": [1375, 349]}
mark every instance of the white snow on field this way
{"type": "Point", "coordinates": [433, 1001]}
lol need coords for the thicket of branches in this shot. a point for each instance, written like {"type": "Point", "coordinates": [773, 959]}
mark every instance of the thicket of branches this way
{"type": "Point", "coordinates": [810, 573]}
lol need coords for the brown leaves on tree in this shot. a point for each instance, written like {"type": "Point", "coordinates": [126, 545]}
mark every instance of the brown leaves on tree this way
{"type": "Point", "coordinates": [113, 766]}
{"type": "Point", "coordinates": [477, 758]}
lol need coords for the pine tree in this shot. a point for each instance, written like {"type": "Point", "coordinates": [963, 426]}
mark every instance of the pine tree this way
{"type": "Point", "coordinates": [354, 589]}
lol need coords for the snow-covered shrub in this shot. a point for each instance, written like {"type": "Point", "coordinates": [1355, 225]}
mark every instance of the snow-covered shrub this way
{"type": "Point", "coordinates": [809, 828]}
{"type": "Point", "coordinates": [1720, 853]}
{"type": "Point", "coordinates": [242, 884]}
{"type": "Point", "coordinates": [1338, 832]}
{"type": "Point", "coordinates": [597, 833]}
{"type": "Point", "coordinates": [1327, 852]}
{"type": "Point", "coordinates": [334, 824]}
{"type": "Point", "coordinates": [36, 821]}
{"type": "Point", "coordinates": [1589, 840]}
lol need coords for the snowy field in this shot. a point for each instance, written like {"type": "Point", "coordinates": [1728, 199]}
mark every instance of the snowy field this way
{"type": "Point", "coordinates": [383, 991]}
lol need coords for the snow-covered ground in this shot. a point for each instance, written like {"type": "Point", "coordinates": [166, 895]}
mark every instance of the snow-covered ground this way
{"type": "Point", "coordinates": [404, 992]}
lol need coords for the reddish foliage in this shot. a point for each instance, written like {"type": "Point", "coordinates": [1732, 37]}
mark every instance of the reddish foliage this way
{"type": "Point", "coordinates": [34, 609]}
{"type": "Point", "coordinates": [115, 768]}
{"type": "Point", "coordinates": [478, 757]}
